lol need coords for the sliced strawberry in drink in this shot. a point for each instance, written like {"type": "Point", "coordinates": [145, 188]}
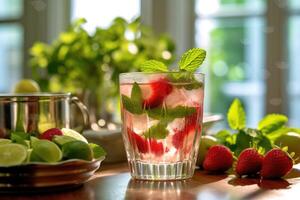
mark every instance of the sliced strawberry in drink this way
{"type": "Point", "coordinates": [155, 93]}
{"type": "Point", "coordinates": [191, 123]}
{"type": "Point", "coordinates": [50, 133]}
{"type": "Point", "coordinates": [140, 142]}
{"type": "Point", "coordinates": [157, 148]}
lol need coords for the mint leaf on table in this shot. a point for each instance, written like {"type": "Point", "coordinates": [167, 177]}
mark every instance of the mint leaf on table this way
{"type": "Point", "coordinates": [272, 122]}
{"type": "Point", "coordinates": [236, 115]}
{"type": "Point", "coordinates": [134, 103]}
{"type": "Point", "coordinates": [169, 114]}
{"type": "Point", "coordinates": [158, 131]}
{"type": "Point", "coordinates": [192, 59]}
{"type": "Point", "coordinates": [153, 66]}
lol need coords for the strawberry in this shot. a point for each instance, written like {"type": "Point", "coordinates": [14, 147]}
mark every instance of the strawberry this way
{"type": "Point", "coordinates": [218, 159]}
{"type": "Point", "coordinates": [140, 142]}
{"type": "Point", "coordinates": [143, 145]}
{"type": "Point", "coordinates": [249, 162]}
{"type": "Point", "coordinates": [190, 127]}
{"type": "Point", "coordinates": [50, 133]}
{"type": "Point", "coordinates": [155, 94]}
{"type": "Point", "coordinates": [276, 164]}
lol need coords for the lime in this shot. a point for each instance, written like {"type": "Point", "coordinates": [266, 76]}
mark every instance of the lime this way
{"type": "Point", "coordinates": [292, 141]}
{"type": "Point", "coordinates": [27, 86]}
{"type": "Point", "coordinates": [45, 150]}
{"type": "Point", "coordinates": [4, 141]}
{"type": "Point", "coordinates": [77, 150]}
{"type": "Point", "coordinates": [73, 134]}
{"type": "Point", "coordinates": [62, 139]}
{"type": "Point", "coordinates": [12, 154]}
{"type": "Point", "coordinates": [97, 150]}
{"type": "Point", "coordinates": [206, 142]}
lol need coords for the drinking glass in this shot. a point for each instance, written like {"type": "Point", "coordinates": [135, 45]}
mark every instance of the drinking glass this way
{"type": "Point", "coordinates": [162, 122]}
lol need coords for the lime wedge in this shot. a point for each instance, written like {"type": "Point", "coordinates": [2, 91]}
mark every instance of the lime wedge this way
{"type": "Point", "coordinates": [62, 139]}
{"type": "Point", "coordinates": [27, 86]}
{"type": "Point", "coordinates": [4, 141]}
{"type": "Point", "coordinates": [45, 150]}
{"type": "Point", "coordinates": [77, 150]}
{"type": "Point", "coordinates": [73, 134]}
{"type": "Point", "coordinates": [12, 154]}
{"type": "Point", "coordinates": [97, 150]}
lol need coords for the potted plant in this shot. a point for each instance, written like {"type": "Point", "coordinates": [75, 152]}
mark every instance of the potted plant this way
{"type": "Point", "coordinates": [88, 64]}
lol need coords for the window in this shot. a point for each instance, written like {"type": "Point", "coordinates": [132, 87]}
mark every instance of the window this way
{"type": "Point", "coordinates": [11, 40]}
{"type": "Point", "coordinates": [293, 86]}
{"type": "Point", "coordinates": [233, 32]}
{"type": "Point", "coordinates": [101, 13]}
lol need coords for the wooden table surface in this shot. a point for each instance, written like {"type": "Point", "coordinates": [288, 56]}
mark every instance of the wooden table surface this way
{"type": "Point", "coordinates": [114, 182]}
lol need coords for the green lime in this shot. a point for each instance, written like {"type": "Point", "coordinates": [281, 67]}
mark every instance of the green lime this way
{"type": "Point", "coordinates": [62, 139]}
{"type": "Point", "coordinates": [4, 141]}
{"type": "Point", "coordinates": [27, 86]}
{"type": "Point", "coordinates": [45, 150]}
{"type": "Point", "coordinates": [292, 141]}
{"type": "Point", "coordinates": [12, 154]}
{"type": "Point", "coordinates": [206, 142]}
{"type": "Point", "coordinates": [77, 150]}
{"type": "Point", "coordinates": [97, 150]}
{"type": "Point", "coordinates": [74, 134]}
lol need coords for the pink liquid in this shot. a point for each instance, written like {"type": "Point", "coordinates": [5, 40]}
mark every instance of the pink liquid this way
{"type": "Point", "coordinates": [180, 137]}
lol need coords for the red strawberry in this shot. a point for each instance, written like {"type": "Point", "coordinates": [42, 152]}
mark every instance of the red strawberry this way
{"type": "Point", "coordinates": [143, 145]}
{"type": "Point", "coordinates": [156, 93]}
{"type": "Point", "coordinates": [218, 159]}
{"type": "Point", "coordinates": [140, 142]}
{"type": "Point", "coordinates": [249, 162]}
{"type": "Point", "coordinates": [156, 148]}
{"type": "Point", "coordinates": [276, 164]}
{"type": "Point", "coordinates": [190, 127]}
{"type": "Point", "coordinates": [50, 133]}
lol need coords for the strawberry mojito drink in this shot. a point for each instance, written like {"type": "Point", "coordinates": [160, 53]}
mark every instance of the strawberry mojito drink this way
{"type": "Point", "coordinates": [162, 122]}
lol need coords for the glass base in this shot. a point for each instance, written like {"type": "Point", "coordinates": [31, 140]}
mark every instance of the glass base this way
{"type": "Point", "coordinates": [162, 171]}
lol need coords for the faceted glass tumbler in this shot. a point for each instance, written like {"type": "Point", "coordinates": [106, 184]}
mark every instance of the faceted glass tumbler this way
{"type": "Point", "coordinates": [162, 122]}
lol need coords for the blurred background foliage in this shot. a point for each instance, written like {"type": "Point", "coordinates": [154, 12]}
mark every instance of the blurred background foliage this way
{"type": "Point", "coordinates": [88, 64]}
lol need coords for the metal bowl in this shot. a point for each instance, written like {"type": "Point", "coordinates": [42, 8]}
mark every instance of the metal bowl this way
{"type": "Point", "coordinates": [68, 173]}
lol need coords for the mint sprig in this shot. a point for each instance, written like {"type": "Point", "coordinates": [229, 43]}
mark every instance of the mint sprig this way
{"type": "Point", "coordinates": [192, 59]}
{"type": "Point", "coordinates": [272, 122]}
{"type": "Point", "coordinates": [133, 104]}
{"type": "Point", "coordinates": [169, 114]}
{"type": "Point", "coordinates": [236, 116]}
{"type": "Point", "coordinates": [158, 131]}
{"type": "Point", "coordinates": [263, 137]}
{"type": "Point", "coordinates": [189, 62]}
{"type": "Point", "coordinates": [154, 66]}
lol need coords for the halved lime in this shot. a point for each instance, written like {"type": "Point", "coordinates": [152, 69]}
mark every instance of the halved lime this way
{"type": "Point", "coordinates": [77, 150]}
{"type": "Point", "coordinates": [74, 134]}
{"type": "Point", "coordinates": [62, 139]}
{"type": "Point", "coordinates": [12, 154]}
{"type": "Point", "coordinates": [46, 151]}
{"type": "Point", "coordinates": [4, 141]}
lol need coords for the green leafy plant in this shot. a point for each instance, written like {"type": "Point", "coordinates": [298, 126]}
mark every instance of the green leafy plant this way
{"type": "Point", "coordinates": [263, 137]}
{"type": "Point", "coordinates": [88, 64]}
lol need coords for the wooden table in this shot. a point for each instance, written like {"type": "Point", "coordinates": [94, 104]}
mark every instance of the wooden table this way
{"type": "Point", "coordinates": [114, 182]}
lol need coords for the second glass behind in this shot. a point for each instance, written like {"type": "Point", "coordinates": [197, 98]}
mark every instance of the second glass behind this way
{"type": "Point", "coordinates": [162, 122]}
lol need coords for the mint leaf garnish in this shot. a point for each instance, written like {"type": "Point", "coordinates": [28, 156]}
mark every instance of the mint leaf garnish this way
{"type": "Point", "coordinates": [169, 114]}
{"type": "Point", "coordinates": [236, 115]}
{"type": "Point", "coordinates": [153, 66]}
{"type": "Point", "coordinates": [192, 59]}
{"type": "Point", "coordinates": [187, 78]}
{"type": "Point", "coordinates": [134, 103]}
{"type": "Point", "coordinates": [272, 123]}
{"type": "Point", "coordinates": [158, 131]}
